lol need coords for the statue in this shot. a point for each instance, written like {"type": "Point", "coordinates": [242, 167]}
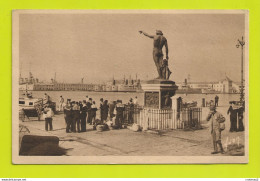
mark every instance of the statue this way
{"type": "Point", "coordinates": [159, 42]}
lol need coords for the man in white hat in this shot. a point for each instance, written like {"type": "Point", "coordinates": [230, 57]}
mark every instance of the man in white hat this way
{"type": "Point", "coordinates": [216, 126]}
{"type": "Point", "coordinates": [47, 114]}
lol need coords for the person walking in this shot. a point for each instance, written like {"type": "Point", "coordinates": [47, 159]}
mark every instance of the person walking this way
{"type": "Point", "coordinates": [233, 117]}
{"type": "Point", "coordinates": [61, 102]}
{"type": "Point", "coordinates": [83, 116]}
{"type": "Point", "coordinates": [216, 100]}
{"type": "Point", "coordinates": [48, 113]}
{"type": "Point", "coordinates": [93, 112]}
{"type": "Point", "coordinates": [76, 117]}
{"type": "Point", "coordinates": [216, 126]}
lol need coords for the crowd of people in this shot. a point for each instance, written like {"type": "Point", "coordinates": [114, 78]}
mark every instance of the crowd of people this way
{"type": "Point", "coordinates": [78, 114]}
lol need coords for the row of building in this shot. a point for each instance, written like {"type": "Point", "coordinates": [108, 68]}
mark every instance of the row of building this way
{"type": "Point", "coordinates": [124, 85]}
{"type": "Point", "coordinates": [225, 85]}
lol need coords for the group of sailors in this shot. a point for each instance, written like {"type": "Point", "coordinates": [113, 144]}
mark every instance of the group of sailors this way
{"type": "Point", "coordinates": [78, 114]}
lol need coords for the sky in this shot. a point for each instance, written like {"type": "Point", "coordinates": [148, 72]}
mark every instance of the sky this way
{"type": "Point", "coordinates": [100, 46]}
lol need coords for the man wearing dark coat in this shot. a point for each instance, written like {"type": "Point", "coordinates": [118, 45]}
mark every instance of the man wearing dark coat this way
{"type": "Point", "coordinates": [131, 112]}
{"type": "Point", "coordinates": [101, 109]}
{"type": "Point", "coordinates": [89, 111]}
{"type": "Point", "coordinates": [104, 111]}
{"type": "Point", "coordinates": [233, 117]}
{"type": "Point", "coordinates": [216, 100]}
{"type": "Point", "coordinates": [83, 116]}
{"type": "Point", "coordinates": [119, 113]}
{"type": "Point", "coordinates": [240, 119]}
{"type": "Point", "coordinates": [68, 116]}
{"type": "Point", "coordinates": [76, 118]}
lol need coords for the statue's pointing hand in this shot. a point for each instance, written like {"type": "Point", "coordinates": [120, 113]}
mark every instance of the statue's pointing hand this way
{"type": "Point", "coordinates": [140, 32]}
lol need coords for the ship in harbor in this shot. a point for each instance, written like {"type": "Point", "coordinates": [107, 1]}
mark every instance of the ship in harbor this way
{"type": "Point", "coordinates": [186, 88]}
{"type": "Point", "coordinates": [27, 84]}
{"type": "Point", "coordinates": [124, 85]}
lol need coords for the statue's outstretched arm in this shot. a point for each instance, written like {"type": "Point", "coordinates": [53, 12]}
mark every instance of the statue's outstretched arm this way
{"type": "Point", "coordinates": [146, 34]}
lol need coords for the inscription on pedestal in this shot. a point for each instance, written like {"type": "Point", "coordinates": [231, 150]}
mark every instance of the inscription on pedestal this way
{"type": "Point", "coordinates": [151, 99]}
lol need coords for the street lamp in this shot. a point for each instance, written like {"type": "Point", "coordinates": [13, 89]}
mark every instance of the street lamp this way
{"type": "Point", "coordinates": [242, 94]}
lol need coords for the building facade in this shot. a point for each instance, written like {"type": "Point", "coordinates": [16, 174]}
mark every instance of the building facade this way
{"type": "Point", "coordinates": [225, 85]}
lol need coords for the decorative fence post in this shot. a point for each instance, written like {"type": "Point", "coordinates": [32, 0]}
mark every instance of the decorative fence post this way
{"type": "Point", "coordinates": [175, 112]}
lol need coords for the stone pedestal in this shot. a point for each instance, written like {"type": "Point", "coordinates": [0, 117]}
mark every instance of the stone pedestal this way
{"type": "Point", "coordinates": [158, 93]}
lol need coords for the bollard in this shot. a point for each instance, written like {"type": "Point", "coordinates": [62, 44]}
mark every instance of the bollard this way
{"type": "Point", "coordinates": [203, 102]}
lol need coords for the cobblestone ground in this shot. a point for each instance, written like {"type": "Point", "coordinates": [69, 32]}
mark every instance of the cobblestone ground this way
{"type": "Point", "coordinates": [125, 142]}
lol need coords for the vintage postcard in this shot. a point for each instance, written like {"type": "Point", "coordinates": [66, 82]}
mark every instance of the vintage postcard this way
{"type": "Point", "coordinates": [130, 86]}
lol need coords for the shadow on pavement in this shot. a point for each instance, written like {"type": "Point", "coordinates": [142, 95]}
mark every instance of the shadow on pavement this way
{"type": "Point", "coordinates": [32, 145]}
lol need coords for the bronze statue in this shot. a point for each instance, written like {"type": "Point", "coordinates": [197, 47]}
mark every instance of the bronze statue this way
{"type": "Point", "coordinates": [159, 42]}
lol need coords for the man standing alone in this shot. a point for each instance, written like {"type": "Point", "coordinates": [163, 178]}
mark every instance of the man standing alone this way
{"type": "Point", "coordinates": [216, 100]}
{"type": "Point", "coordinates": [61, 102]}
{"type": "Point", "coordinates": [47, 113]}
{"type": "Point", "coordinates": [216, 126]}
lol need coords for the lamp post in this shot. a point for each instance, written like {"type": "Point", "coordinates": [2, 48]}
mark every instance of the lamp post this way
{"type": "Point", "coordinates": [242, 43]}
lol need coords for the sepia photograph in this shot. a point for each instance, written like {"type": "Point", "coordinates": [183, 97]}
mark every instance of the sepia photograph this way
{"type": "Point", "coordinates": [130, 86]}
